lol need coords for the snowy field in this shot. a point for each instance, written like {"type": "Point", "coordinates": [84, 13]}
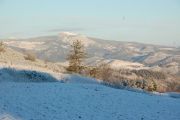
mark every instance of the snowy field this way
{"type": "Point", "coordinates": [72, 101]}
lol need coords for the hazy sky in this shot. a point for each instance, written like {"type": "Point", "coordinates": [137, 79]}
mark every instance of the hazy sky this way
{"type": "Point", "coordinates": [148, 21]}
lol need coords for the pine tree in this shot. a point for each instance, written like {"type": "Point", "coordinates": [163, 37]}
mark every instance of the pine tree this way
{"type": "Point", "coordinates": [76, 57]}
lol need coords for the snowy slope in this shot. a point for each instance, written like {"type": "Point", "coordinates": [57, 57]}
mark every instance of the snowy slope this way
{"type": "Point", "coordinates": [63, 101]}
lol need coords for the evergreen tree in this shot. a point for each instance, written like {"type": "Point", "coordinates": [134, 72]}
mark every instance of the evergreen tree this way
{"type": "Point", "coordinates": [76, 57]}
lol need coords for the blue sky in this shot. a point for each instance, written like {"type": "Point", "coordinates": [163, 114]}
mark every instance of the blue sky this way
{"type": "Point", "coordinates": [147, 21]}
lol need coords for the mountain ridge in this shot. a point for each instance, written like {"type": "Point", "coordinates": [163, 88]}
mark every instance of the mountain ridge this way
{"type": "Point", "coordinates": [55, 49]}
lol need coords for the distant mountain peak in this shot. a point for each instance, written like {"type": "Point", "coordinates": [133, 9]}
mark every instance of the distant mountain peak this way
{"type": "Point", "coordinates": [69, 37]}
{"type": "Point", "coordinates": [68, 34]}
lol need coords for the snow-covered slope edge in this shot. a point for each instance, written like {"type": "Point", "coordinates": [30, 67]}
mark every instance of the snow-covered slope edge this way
{"type": "Point", "coordinates": [8, 74]}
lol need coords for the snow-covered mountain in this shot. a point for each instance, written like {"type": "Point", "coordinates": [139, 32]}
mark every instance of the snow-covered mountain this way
{"type": "Point", "coordinates": [56, 48]}
{"type": "Point", "coordinates": [68, 38]}
{"type": "Point", "coordinates": [38, 90]}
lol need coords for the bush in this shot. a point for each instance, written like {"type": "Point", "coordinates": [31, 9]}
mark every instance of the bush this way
{"type": "Point", "coordinates": [148, 74]}
{"type": "Point", "coordinates": [141, 84]}
{"type": "Point", "coordinates": [173, 86]}
{"type": "Point", "coordinates": [143, 79]}
{"type": "Point", "coordinates": [2, 47]}
{"type": "Point", "coordinates": [152, 86]}
{"type": "Point", "coordinates": [104, 71]}
{"type": "Point", "coordinates": [30, 56]}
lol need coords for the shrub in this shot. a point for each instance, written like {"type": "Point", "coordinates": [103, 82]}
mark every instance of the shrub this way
{"type": "Point", "coordinates": [2, 47]}
{"type": "Point", "coordinates": [142, 79]}
{"type": "Point", "coordinates": [101, 71]}
{"type": "Point", "coordinates": [173, 86]}
{"type": "Point", "coordinates": [30, 56]}
{"type": "Point", "coordinates": [141, 84]}
{"type": "Point", "coordinates": [93, 72]}
{"type": "Point", "coordinates": [148, 74]}
{"type": "Point", "coordinates": [152, 86]}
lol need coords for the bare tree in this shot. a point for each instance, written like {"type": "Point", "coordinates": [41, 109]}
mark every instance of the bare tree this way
{"type": "Point", "coordinates": [76, 57]}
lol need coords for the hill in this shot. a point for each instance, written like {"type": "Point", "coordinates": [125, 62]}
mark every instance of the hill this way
{"type": "Point", "coordinates": [14, 59]}
{"type": "Point", "coordinates": [54, 101]}
{"type": "Point", "coordinates": [55, 49]}
{"type": "Point", "coordinates": [36, 90]}
{"type": "Point", "coordinates": [159, 67]}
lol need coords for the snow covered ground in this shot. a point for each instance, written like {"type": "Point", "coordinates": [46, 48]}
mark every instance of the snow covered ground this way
{"type": "Point", "coordinates": [33, 95]}
{"type": "Point", "coordinates": [71, 101]}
